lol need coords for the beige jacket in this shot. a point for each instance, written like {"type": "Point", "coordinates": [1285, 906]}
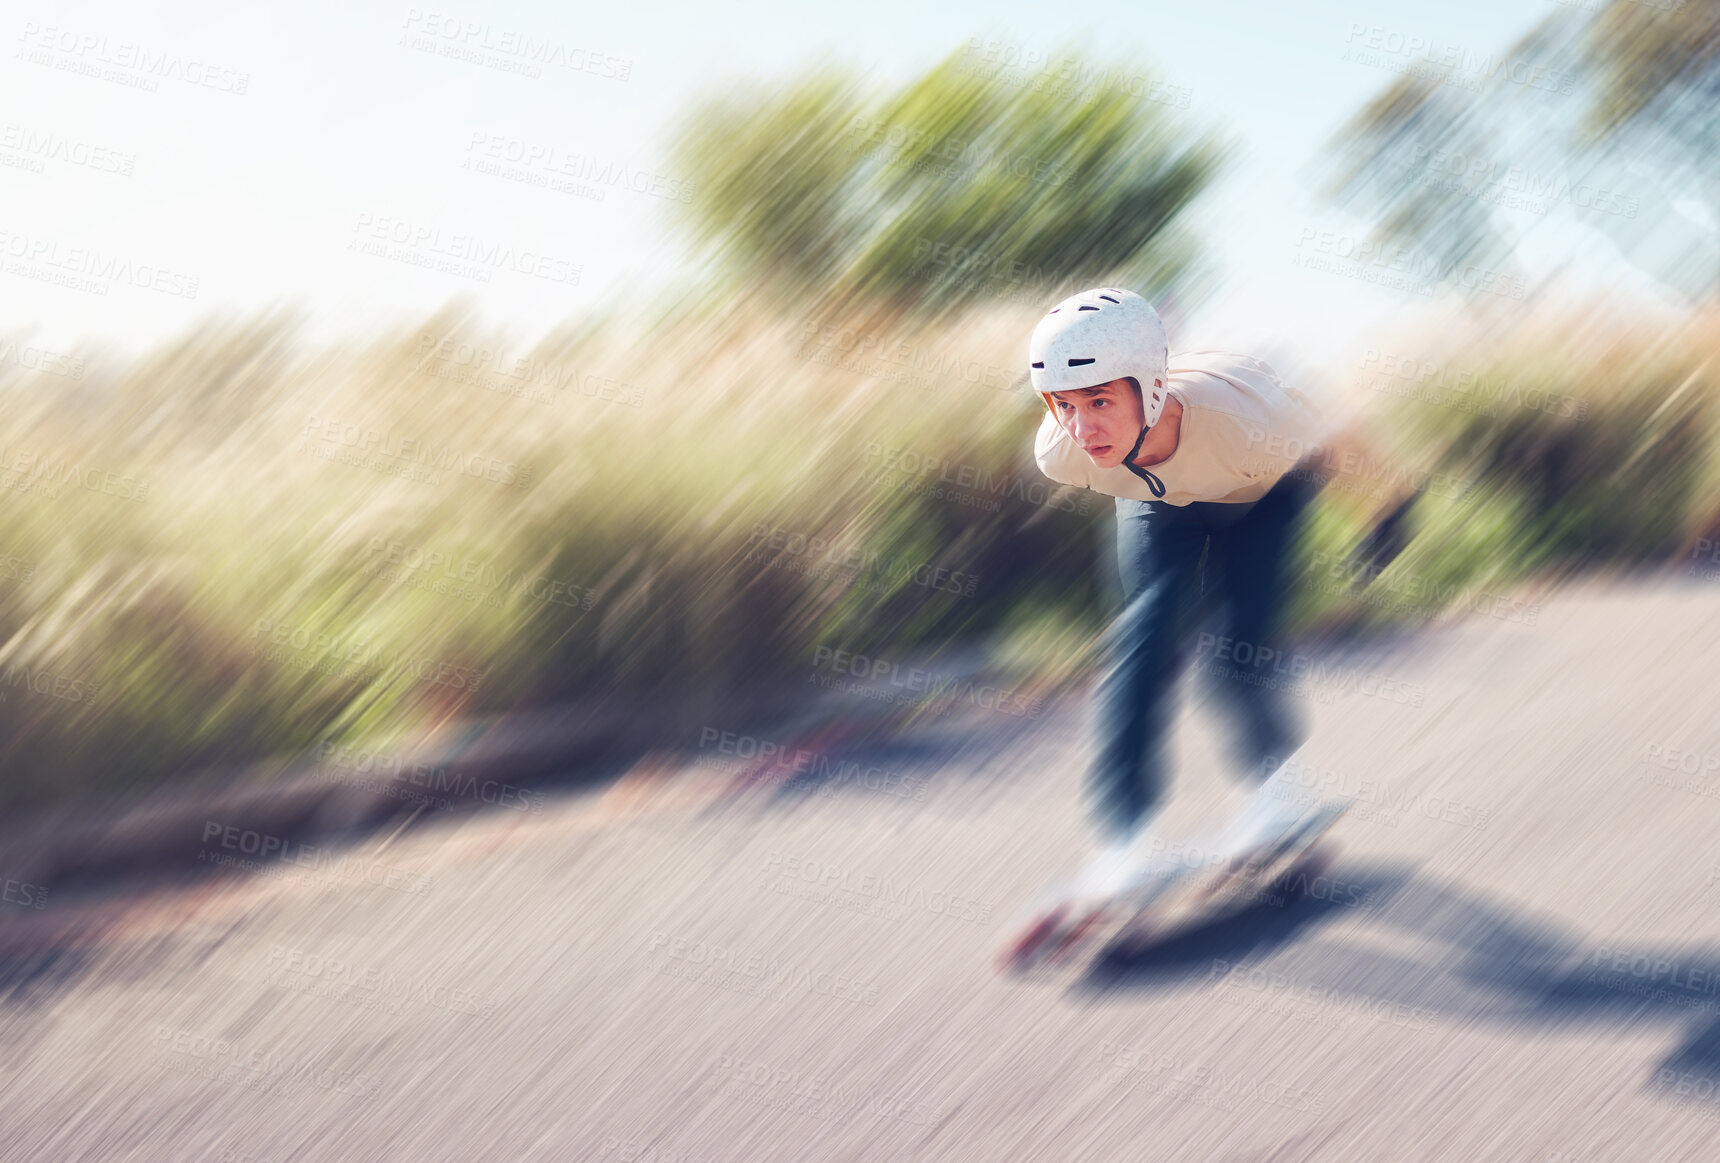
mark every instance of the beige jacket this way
{"type": "Point", "coordinates": [1241, 430]}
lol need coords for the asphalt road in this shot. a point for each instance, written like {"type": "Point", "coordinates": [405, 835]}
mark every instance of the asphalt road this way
{"type": "Point", "coordinates": [1515, 953]}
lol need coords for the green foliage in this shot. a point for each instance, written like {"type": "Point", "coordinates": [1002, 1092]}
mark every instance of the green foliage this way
{"type": "Point", "coordinates": [1651, 59]}
{"type": "Point", "coordinates": [958, 187]}
{"type": "Point", "coordinates": [1611, 116]}
{"type": "Point", "coordinates": [683, 528]}
{"type": "Point", "coordinates": [1583, 447]}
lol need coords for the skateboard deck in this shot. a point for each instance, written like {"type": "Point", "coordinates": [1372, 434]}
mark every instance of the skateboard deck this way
{"type": "Point", "coordinates": [1067, 934]}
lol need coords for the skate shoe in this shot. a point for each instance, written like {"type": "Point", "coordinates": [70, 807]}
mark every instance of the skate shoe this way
{"type": "Point", "coordinates": [1275, 819]}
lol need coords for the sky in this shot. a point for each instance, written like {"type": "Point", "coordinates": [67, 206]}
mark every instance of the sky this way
{"type": "Point", "coordinates": [161, 163]}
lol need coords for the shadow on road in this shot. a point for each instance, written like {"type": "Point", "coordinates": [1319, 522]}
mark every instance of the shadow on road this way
{"type": "Point", "coordinates": [1423, 956]}
{"type": "Point", "coordinates": [872, 757]}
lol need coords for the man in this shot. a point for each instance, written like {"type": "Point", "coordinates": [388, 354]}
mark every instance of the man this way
{"type": "Point", "coordinates": [1208, 503]}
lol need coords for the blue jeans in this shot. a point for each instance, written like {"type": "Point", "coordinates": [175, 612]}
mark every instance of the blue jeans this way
{"type": "Point", "coordinates": [1175, 561]}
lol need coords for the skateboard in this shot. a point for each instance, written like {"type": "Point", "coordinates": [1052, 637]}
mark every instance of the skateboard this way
{"type": "Point", "coordinates": [1065, 932]}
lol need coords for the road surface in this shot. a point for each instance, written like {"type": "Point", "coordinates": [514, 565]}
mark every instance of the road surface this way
{"type": "Point", "coordinates": [1515, 954]}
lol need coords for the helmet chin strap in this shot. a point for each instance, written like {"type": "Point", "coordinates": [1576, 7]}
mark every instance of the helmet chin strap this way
{"type": "Point", "coordinates": [1153, 482]}
{"type": "Point", "coordinates": [1139, 440]}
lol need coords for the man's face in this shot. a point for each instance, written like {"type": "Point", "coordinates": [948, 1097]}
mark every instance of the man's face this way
{"type": "Point", "coordinates": [1104, 421]}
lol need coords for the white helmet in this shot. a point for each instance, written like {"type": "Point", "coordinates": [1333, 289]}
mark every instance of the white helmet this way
{"type": "Point", "coordinates": [1096, 337]}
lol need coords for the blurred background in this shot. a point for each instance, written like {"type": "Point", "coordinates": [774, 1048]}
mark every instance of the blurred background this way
{"type": "Point", "coordinates": [380, 379]}
{"type": "Point", "coordinates": [335, 346]}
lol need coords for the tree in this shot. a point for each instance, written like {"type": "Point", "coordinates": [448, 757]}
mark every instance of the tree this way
{"type": "Point", "coordinates": [1611, 115]}
{"type": "Point", "coordinates": [968, 183]}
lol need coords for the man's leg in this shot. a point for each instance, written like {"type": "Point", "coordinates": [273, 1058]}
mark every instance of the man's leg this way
{"type": "Point", "coordinates": [1158, 555]}
{"type": "Point", "coordinates": [1251, 561]}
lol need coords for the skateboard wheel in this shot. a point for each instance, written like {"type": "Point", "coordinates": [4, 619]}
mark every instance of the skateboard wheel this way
{"type": "Point", "coordinates": [1021, 954]}
{"type": "Point", "coordinates": [1060, 952]}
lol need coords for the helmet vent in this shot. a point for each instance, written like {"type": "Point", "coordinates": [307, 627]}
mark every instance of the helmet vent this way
{"type": "Point", "coordinates": [1083, 362]}
{"type": "Point", "coordinates": [1040, 365]}
{"type": "Point", "coordinates": [1108, 299]}
{"type": "Point", "coordinates": [1086, 307]}
{"type": "Point", "coordinates": [1054, 310]}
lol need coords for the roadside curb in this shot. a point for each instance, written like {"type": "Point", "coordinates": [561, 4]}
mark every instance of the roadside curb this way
{"type": "Point", "coordinates": [506, 761]}
{"type": "Point", "coordinates": [299, 798]}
